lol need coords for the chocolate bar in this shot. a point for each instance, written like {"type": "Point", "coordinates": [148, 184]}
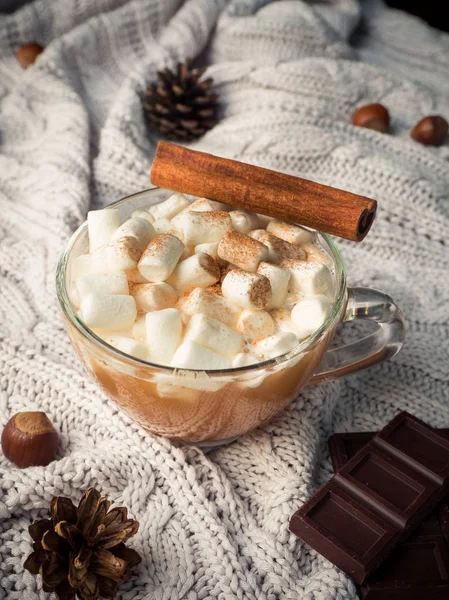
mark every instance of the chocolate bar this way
{"type": "Point", "coordinates": [444, 519]}
{"type": "Point", "coordinates": [419, 568]}
{"type": "Point", "coordinates": [343, 446]}
{"type": "Point", "coordinates": [378, 497]}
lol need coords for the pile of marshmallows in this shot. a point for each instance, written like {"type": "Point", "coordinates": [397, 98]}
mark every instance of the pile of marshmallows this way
{"type": "Point", "coordinates": [192, 287]}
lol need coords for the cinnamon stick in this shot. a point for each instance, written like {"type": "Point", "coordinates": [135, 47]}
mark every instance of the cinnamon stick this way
{"type": "Point", "coordinates": [271, 193]}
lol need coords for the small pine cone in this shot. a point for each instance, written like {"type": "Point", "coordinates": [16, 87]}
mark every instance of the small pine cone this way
{"type": "Point", "coordinates": [80, 552]}
{"type": "Point", "coordinates": [180, 105]}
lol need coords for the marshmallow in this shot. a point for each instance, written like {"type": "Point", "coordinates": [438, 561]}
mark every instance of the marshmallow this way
{"type": "Point", "coordinates": [201, 227]}
{"type": "Point", "coordinates": [208, 248]}
{"type": "Point", "coordinates": [211, 304]}
{"type": "Point", "coordinates": [199, 270]}
{"type": "Point", "coordinates": [248, 290]}
{"type": "Point", "coordinates": [283, 320]}
{"type": "Point", "coordinates": [164, 332]}
{"type": "Point", "coordinates": [153, 296]}
{"type": "Point", "coordinates": [139, 329]}
{"type": "Point", "coordinates": [309, 314]}
{"type": "Point", "coordinates": [291, 233]}
{"type": "Point", "coordinates": [160, 257]}
{"type": "Point", "coordinates": [214, 335]}
{"type": "Point", "coordinates": [122, 255]}
{"type": "Point", "coordinates": [139, 229]}
{"type": "Point", "coordinates": [255, 324]}
{"type": "Point", "coordinates": [278, 278]}
{"type": "Point", "coordinates": [162, 226]}
{"type": "Point", "coordinates": [200, 205]}
{"type": "Point", "coordinates": [81, 265]}
{"type": "Point", "coordinates": [293, 297]}
{"type": "Point", "coordinates": [143, 214]}
{"type": "Point", "coordinates": [128, 346]}
{"type": "Point", "coordinates": [314, 254]}
{"type": "Point", "coordinates": [276, 345]}
{"type": "Point", "coordinates": [219, 205]}
{"type": "Point", "coordinates": [135, 277]}
{"type": "Point", "coordinates": [242, 251]}
{"type": "Point", "coordinates": [113, 312]}
{"type": "Point", "coordinates": [73, 295]}
{"type": "Point", "coordinates": [211, 248]}
{"type": "Point", "coordinates": [169, 208]}
{"type": "Point", "coordinates": [278, 249]}
{"type": "Point", "coordinates": [191, 355]}
{"type": "Point", "coordinates": [252, 378]}
{"type": "Point", "coordinates": [101, 225]}
{"type": "Point", "coordinates": [102, 283]}
{"type": "Point", "coordinates": [185, 386]}
{"type": "Point", "coordinates": [244, 221]}
{"type": "Point", "coordinates": [309, 277]}
{"type": "Point", "coordinates": [244, 360]}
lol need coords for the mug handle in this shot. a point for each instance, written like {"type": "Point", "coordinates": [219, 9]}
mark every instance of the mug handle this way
{"type": "Point", "coordinates": [372, 305]}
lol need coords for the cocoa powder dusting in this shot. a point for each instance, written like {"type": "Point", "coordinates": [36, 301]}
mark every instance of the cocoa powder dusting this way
{"type": "Point", "coordinates": [215, 217]}
{"type": "Point", "coordinates": [158, 244]}
{"type": "Point", "coordinates": [259, 291]}
{"type": "Point", "coordinates": [284, 249]}
{"type": "Point", "coordinates": [134, 276]}
{"type": "Point", "coordinates": [240, 249]}
{"type": "Point", "coordinates": [292, 263]}
{"type": "Point", "coordinates": [224, 270]}
{"type": "Point", "coordinates": [210, 265]}
{"type": "Point", "coordinates": [215, 289]}
{"type": "Point", "coordinates": [280, 249]}
{"type": "Point", "coordinates": [129, 246]}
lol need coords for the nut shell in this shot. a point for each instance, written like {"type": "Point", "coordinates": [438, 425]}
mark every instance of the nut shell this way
{"type": "Point", "coordinates": [430, 131]}
{"type": "Point", "coordinates": [29, 439]}
{"type": "Point", "coordinates": [26, 55]}
{"type": "Point", "coordinates": [372, 116]}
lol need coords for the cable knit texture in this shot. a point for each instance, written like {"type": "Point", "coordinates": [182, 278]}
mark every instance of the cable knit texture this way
{"type": "Point", "coordinates": [73, 136]}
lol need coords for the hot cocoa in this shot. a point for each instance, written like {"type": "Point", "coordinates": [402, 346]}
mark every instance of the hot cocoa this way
{"type": "Point", "coordinates": [211, 289]}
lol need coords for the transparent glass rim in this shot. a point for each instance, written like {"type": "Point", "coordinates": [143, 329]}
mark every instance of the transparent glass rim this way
{"type": "Point", "coordinates": [70, 313]}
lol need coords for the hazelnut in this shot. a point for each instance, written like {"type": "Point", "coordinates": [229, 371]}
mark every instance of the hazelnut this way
{"type": "Point", "coordinates": [430, 131]}
{"type": "Point", "coordinates": [26, 55]}
{"type": "Point", "coordinates": [29, 439]}
{"type": "Point", "coordinates": [372, 116]}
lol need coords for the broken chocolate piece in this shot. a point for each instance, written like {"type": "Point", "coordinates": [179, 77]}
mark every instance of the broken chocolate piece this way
{"type": "Point", "coordinates": [343, 446]}
{"type": "Point", "coordinates": [444, 519]}
{"type": "Point", "coordinates": [418, 570]}
{"type": "Point", "coordinates": [419, 567]}
{"type": "Point", "coordinates": [378, 497]}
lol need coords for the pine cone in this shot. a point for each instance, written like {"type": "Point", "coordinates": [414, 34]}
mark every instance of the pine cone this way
{"type": "Point", "coordinates": [80, 552]}
{"type": "Point", "coordinates": [180, 105]}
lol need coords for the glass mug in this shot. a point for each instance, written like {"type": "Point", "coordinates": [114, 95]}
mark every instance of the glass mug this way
{"type": "Point", "coordinates": [212, 407]}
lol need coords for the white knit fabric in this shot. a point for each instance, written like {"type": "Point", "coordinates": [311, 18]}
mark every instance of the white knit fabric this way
{"type": "Point", "coordinates": [72, 135]}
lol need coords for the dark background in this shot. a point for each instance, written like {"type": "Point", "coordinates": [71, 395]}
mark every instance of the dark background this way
{"type": "Point", "coordinates": [7, 6]}
{"type": "Point", "coordinates": [435, 12]}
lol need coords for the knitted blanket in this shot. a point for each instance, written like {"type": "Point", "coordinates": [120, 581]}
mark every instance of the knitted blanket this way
{"type": "Point", "coordinates": [73, 136]}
